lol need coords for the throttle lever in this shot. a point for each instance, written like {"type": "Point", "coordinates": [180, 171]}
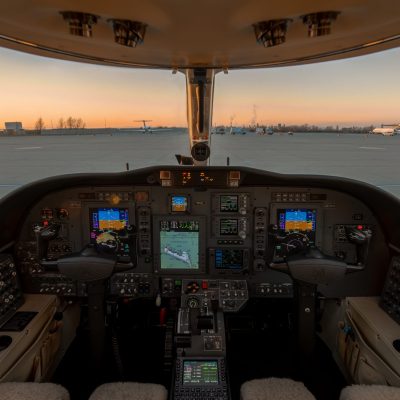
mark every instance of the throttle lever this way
{"type": "Point", "coordinates": [215, 308]}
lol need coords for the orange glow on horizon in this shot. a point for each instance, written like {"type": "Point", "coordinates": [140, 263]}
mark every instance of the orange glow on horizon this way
{"type": "Point", "coordinates": [360, 91]}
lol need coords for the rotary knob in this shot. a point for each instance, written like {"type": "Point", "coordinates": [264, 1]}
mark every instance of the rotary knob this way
{"type": "Point", "coordinates": [192, 287]}
{"type": "Point", "coordinates": [193, 302]}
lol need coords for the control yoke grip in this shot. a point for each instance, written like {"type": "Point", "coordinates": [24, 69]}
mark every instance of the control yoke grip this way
{"type": "Point", "coordinates": [312, 267]}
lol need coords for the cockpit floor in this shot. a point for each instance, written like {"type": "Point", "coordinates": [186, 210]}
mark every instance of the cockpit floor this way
{"type": "Point", "coordinates": [260, 343]}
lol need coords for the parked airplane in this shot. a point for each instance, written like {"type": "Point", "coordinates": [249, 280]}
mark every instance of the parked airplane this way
{"type": "Point", "coordinates": [218, 130]}
{"type": "Point", "coordinates": [386, 131]}
{"type": "Point", "coordinates": [148, 129]}
{"type": "Point", "coordinates": [145, 128]}
{"type": "Point", "coordinates": [237, 130]}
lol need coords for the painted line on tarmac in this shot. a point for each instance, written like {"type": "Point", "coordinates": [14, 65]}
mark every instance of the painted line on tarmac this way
{"type": "Point", "coordinates": [28, 148]}
{"type": "Point", "coordinates": [372, 148]}
{"type": "Point", "coordinates": [9, 185]}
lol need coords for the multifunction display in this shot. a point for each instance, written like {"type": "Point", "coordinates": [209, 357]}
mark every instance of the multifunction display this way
{"type": "Point", "coordinates": [229, 259]}
{"type": "Point", "coordinates": [108, 229]}
{"type": "Point", "coordinates": [229, 227]}
{"type": "Point", "coordinates": [229, 203]}
{"type": "Point", "coordinates": [179, 244]}
{"type": "Point", "coordinates": [200, 372]}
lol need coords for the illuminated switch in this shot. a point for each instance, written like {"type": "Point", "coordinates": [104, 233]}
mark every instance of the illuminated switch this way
{"type": "Point", "coordinates": [165, 175]}
{"type": "Point", "coordinates": [234, 175]}
{"type": "Point", "coordinates": [178, 283]}
{"type": "Point", "coordinates": [204, 285]}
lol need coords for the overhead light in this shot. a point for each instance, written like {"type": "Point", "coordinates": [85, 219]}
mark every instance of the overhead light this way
{"type": "Point", "coordinates": [128, 33]}
{"type": "Point", "coordinates": [271, 33]}
{"type": "Point", "coordinates": [80, 24]}
{"type": "Point", "coordinates": [319, 24]}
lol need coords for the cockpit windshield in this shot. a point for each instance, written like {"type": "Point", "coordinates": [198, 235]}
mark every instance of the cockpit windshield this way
{"type": "Point", "coordinates": [338, 118]}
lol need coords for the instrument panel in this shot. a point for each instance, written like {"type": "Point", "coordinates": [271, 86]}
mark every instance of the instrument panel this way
{"type": "Point", "coordinates": [165, 235]}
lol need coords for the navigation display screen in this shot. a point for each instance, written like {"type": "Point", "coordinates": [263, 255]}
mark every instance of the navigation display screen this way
{"type": "Point", "coordinates": [200, 372]}
{"type": "Point", "coordinates": [179, 244]}
{"type": "Point", "coordinates": [106, 227]}
{"type": "Point", "coordinates": [297, 220]}
{"type": "Point", "coordinates": [179, 203]}
{"type": "Point", "coordinates": [229, 227]}
{"type": "Point", "coordinates": [229, 258]}
{"type": "Point", "coordinates": [229, 203]}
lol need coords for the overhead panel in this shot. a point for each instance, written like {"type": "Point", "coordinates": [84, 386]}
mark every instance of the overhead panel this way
{"type": "Point", "coordinates": [181, 34]}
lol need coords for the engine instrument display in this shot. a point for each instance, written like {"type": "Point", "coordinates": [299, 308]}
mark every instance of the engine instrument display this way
{"type": "Point", "coordinates": [179, 244]}
{"type": "Point", "coordinates": [179, 204]}
{"type": "Point", "coordinates": [106, 227]}
{"type": "Point", "coordinates": [229, 227]}
{"type": "Point", "coordinates": [229, 203]}
{"type": "Point", "coordinates": [200, 372]}
{"type": "Point", "coordinates": [229, 259]}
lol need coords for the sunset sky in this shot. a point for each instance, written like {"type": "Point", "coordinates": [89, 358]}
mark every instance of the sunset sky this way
{"type": "Point", "coordinates": [358, 91]}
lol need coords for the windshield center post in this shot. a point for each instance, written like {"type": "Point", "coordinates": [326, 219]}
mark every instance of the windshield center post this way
{"type": "Point", "coordinates": [200, 96]}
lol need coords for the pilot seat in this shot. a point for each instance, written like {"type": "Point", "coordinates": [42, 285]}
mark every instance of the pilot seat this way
{"type": "Point", "coordinates": [370, 392]}
{"type": "Point", "coordinates": [274, 389]}
{"type": "Point", "coordinates": [32, 391]}
{"type": "Point", "coordinates": [129, 391]}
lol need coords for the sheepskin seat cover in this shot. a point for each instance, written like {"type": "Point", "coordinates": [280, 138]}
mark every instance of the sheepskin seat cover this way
{"type": "Point", "coordinates": [32, 391]}
{"type": "Point", "coordinates": [129, 391]}
{"type": "Point", "coordinates": [370, 392]}
{"type": "Point", "coordinates": [274, 389]}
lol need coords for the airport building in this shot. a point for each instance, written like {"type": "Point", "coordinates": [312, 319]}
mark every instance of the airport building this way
{"type": "Point", "coordinates": [13, 128]}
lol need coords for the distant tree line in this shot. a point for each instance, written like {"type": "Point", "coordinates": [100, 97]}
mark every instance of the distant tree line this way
{"type": "Point", "coordinates": [39, 125]}
{"type": "Point", "coordinates": [71, 123]}
{"type": "Point", "coordinates": [68, 123]}
{"type": "Point", "coordinates": [315, 128]}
